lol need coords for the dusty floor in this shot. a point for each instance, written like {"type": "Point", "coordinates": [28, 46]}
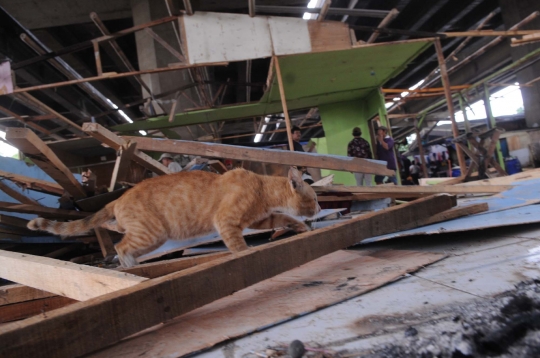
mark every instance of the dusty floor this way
{"type": "Point", "coordinates": [483, 300]}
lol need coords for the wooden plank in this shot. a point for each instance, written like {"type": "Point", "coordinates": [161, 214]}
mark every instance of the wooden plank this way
{"type": "Point", "coordinates": [414, 189]}
{"type": "Point", "coordinates": [13, 221]}
{"type": "Point", "coordinates": [326, 181]}
{"type": "Point", "coordinates": [106, 320]}
{"type": "Point", "coordinates": [456, 212]}
{"type": "Point", "coordinates": [339, 276]}
{"type": "Point", "coordinates": [105, 243]}
{"type": "Point", "coordinates": [121, 167]}
{"type": "Point", "coordinates": [506, 180]}
{"type": "Point", "coordinates": [328, 36]}
{"type": "Point", "coordinates": [19, 293]}
{"type": "Point", "coordinates": [310, 160]}
{"type": "Point", "coordinates": [43, 156]}
{"type": "Point", "coordinates": [112, 140]}
{"type": "Point", "coordinates": [34, 184]}
{"type": "Point", "coordinates": [16, 195]}
{"type": "Point", "coordinates": [22, 310]}
{"type": "Point", "coordinates": [162, 268]}
{"type": "Point", "coordinates": [61, 277]}
{"type": "Point", "coordinates": [30, 124]}
{"type": "Point", "coordinates": [42, 211]}
{"type": "Point", "coordinates": [218, 166]}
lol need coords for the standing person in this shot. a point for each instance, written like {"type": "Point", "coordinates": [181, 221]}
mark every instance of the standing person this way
{"type": "Point", "coordinates": [296, 136]}
{"type": "Point", "coordinates": [167, 160]}
{"type": "Point", "coordinates": [415, 172]}
{"type": "Point", "coordinates": [359, 148]}
{"type": "Point", "coordinates": [385, 151]}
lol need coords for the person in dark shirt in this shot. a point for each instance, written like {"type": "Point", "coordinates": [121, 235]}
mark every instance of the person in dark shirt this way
{"type": "Point", "coordinates": [385, 151]}
{"type": "Point", "coordinates": [360, 148]}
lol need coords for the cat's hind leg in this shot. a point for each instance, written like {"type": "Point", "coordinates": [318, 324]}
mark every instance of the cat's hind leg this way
{"type": "Point", "coordinates": [133, 246]}
{"type": "Point", "coordinates": [280, 220]}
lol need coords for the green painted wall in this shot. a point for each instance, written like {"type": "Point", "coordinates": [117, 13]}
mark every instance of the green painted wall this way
{"type": "Point", "coordinates": [338, 121]}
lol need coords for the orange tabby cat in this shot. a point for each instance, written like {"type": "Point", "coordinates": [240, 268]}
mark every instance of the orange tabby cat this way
{"type": "Point", "coordinates": [188, 204]}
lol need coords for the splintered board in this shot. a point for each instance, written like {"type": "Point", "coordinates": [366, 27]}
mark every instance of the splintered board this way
{"type": "Point", "coordinates": [310, 287]}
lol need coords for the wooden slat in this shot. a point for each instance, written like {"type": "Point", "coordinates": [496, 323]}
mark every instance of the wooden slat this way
{"type": "Point", "coordinates": [16, 195]}
{"type": "Point", "coordinates": [310, 160]}
{"type": "Point", "coordinates": [121, 166]}
{"type": "Point", "coordinates": [162, 268]}
{"type": "Point", "coordinates": [456, 212]}
{"type": "Point", "coordinates": [34, 184]}
{"type": "Point", "coordinates": [13, 221]}
{"type": "Point", "coordinates": [22, 310]}
{"type": "Point", "coordinates": [61, 277]}
{"type": "Point", "coordinates": [105, 243]}
{"type": "Point", "coordinates": [88, 326]}
{"type": "Point", "coordinates": [42, 211]}
{"type": "Point", "coordinates": [19, 293]}
{"type": "Point", "coordinates": [415, 189]}
{"type": "Point", "coordinates": [43, 156]}
{"type": "Point", "coordinates": [112, 140]}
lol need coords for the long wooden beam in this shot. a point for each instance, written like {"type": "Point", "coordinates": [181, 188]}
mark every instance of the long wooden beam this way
{"type": "Point", "coordinates": [89, 43]}
{"type": "Point", "coordinates": [415, 189]}
{"type": "Point", "coordinates": [64, 278]}
{"type": "Point", "coordinates": [17, 195]}
{"type": "Point", "coordinates": [88, 326]}
{"type": "Point", "coordinates": [310, 160]}
{"type": "Point", "coordinates": [42, 211]}
{"type": "Point", "coordinates": [33, 183]}
{"type": "Point", "coordinates": [112, 140]}
{"type": "Point", "coordinates": [115, 75]}
{"type": "Point", "coordinates": [43, 156]}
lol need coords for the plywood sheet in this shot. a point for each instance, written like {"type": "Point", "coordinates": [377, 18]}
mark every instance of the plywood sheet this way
{"type": "Point", "coordinates": [318, 284]}
{"type": "Point", "coordinates": [216, 37]}
{"type": "Point", "coordinates": [289, 35]}
{"type": "Point", "coordinates": [329, 36]}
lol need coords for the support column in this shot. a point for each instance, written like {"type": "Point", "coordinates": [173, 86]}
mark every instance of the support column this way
{"type": "Point", "coordinates": [151, 55]}
{"type": "Point", "coordinates": [491, 123]}
{"type": "Point", "coordinates": [512, 12]}
{"type": "Point", "coordinates": [450, 102]}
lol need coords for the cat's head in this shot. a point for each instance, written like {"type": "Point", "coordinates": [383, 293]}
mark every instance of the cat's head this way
{"type": "Point", "coordinates": [304, 199]}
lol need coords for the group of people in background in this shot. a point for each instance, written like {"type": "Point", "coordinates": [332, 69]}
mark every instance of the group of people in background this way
{"type": "Point", "coordinates": [384, 147]}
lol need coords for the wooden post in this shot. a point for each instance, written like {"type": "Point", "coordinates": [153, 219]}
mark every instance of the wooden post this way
{"type": "Point", "coordinates": [251, 4]}
{"type": "Point", "coordinates": [187, 6]}
{"type": "Point", "coordinates": [388, 19]}
{"type": "Point", "coordinates": [324, 10]}
{"type": "Point", "coordinates": [97, 57]}
{"type": "Point", "coordinates": [465, 118]}
{"type": "Point", "coordinates": [421, 149]}
{"type": "Point", "coordinates": [284, 103]}
{"type": "Point", "coordinates": [122, 163]}
{"type": "Point", "coordinates": [448, 94]}
{"type": "Point", "coordinates": [105, 243]}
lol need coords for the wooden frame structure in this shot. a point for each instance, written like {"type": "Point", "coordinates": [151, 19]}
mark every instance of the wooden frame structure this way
{"type": "Point", "coordinates": [91, 325]}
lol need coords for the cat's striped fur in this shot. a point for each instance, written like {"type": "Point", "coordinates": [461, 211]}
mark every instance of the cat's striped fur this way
{"type": "Point", "coordinates": [188, 204]}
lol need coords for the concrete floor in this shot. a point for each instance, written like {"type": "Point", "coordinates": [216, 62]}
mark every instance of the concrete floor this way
{"type": "Point", "coordinates": [481, 264]}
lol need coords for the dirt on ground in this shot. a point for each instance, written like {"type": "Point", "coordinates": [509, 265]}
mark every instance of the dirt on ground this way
{"type": "Point", "coordinates": [507, 325]}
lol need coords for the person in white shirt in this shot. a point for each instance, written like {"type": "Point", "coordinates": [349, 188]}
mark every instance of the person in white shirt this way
{"type": "Point", "coordinates": [167, 160]}
{"type": "Point", "coordinates": [414, 169]}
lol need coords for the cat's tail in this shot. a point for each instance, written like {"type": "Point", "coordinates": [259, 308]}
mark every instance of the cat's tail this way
{"type": "Point", "coordinates": [74, 227]}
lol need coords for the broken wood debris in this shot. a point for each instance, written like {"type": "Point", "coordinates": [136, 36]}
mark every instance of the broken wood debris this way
{"type": "Point", "coordinates": [136, 307]}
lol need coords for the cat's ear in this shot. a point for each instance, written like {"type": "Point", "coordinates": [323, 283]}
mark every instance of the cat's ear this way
{"type": "Point", "coordinates": [295, 178]}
